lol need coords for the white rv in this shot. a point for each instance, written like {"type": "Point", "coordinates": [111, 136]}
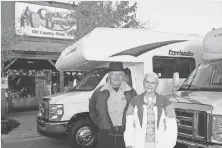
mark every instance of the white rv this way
{"type": "Point", "coordinates": [140, 51]}
{"type": "Point", "coordinates": [198, 101]}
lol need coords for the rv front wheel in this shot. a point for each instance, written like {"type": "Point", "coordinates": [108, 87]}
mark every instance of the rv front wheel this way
{"type": "Point", "coordinates": [81, 134]}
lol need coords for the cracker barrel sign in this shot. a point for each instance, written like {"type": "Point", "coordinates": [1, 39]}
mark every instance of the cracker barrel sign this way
{"type": "Point", "coordinates": [43, 21]}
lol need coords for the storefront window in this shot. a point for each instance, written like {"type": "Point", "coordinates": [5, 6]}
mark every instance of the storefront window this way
{"type": "Point", "coordinates": [71, 78]}
{"type": "Point", "coordinates": [23, 86]}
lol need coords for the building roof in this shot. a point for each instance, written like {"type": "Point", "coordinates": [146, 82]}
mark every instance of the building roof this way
{"type": "Point", "coordinates": [40, 46]}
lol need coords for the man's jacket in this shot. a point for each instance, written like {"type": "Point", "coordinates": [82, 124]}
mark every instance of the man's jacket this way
{"type": "Point", "coordinates": [98, 107]}
{"type": "Point", "coordinates": [165, 123]}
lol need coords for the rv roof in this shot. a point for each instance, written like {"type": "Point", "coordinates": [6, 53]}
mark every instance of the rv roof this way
{"type": "Point", "coordinates": [114, 44]}
{"type": "Point", "coordinates": [105, 42]}
{"type": "Point", "coordinates": [212, 44]}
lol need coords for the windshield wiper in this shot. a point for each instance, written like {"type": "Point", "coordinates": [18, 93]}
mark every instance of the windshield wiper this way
{"type": "Point", "coordinates": [190, 87]}
{"type": "Point", "coordinates": [193, 87]}
{"type": "Point", "coordinates": [210, 89]}
{"type": "Point", "coordinates": [184, 87]}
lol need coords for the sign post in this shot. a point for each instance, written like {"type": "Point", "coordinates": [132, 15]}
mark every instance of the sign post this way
{"type": "Point", "coordinates": [4, 86]}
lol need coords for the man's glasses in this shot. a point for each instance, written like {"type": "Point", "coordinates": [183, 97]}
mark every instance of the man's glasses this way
{"type": "Point", "coordinates": [117, 76]}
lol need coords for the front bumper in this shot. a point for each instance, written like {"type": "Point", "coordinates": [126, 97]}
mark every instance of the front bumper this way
{"type": "Point", "coordinates": [186, 144]}
{"type": "Point", "coordinates": [49, 129]}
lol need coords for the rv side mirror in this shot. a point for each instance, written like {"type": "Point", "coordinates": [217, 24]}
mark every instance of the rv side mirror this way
{"type": "Point", "coordinates": [176, 81]}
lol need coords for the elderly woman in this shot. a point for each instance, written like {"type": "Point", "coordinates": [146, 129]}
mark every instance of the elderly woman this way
{"type": "Point", "coordinates": [150, 120]}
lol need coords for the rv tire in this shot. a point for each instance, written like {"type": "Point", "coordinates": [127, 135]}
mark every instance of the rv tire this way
{"type": "Point", "coordinates": [81, 134]}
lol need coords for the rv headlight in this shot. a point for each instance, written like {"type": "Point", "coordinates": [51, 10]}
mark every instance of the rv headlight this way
{"type": "Point", "coordinates": [55, 112]}
{"type": "Point", "coordinates": [217, 128]}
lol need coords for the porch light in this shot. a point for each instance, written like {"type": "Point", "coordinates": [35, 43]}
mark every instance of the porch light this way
{"type": "Point", "coordinates": [30, 62]}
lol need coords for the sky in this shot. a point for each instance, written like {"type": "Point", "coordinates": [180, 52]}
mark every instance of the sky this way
{"type": "Point", "coordinates": [181, 16]}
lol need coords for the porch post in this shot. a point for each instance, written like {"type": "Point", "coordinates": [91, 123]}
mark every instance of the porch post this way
{"type": "Point", "coordinates": [3, 99]}
{"type": "Point", "coordinates": [61, 81]}
{"type": "Point", "coordinates": [3, 102]}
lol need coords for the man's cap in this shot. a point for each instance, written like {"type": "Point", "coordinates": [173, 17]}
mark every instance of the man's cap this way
{"type": "Point", "coordinates": [116, 66]}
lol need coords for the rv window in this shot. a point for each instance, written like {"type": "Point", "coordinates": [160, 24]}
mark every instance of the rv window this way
{"type": "Point", "coordinates": [166, 66]}
{"type": "Point", "coordinates": [185, 66]}
{"type": "Point", "coordinates": [128, 77]}
{"type": "Point", "coordinates": [207, 77]}
{"type": "Point", "coordinates": [157, 66]}
{"type": "Point", "coordinates": [217, 77]}
{"type": "Point", "coordinates": [90, 81]}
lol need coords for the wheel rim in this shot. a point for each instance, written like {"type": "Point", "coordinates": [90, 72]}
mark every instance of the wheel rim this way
{"type": "Point", "coordinates": [84, 136]}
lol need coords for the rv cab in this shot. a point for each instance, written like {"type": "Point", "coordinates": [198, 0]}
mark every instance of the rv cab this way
{"type": "Point", "coordinates": [198, 101]}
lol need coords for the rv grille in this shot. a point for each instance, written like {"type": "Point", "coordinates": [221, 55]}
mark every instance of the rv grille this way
{"type": "Point", "coordinates": [192, 125]}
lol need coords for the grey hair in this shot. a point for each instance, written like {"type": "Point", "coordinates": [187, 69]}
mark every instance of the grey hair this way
{"type": "Point", "coordinates": [153, 74]}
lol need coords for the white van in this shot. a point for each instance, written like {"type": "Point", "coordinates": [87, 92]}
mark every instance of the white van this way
{"type": "Point", "coordinates": [140, 51]}
{"type": "Point", "coordinates": [198, 101]}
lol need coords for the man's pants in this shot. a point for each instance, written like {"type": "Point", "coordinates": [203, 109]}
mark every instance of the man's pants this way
{"type": "Point", "coordinates": [110, 140]}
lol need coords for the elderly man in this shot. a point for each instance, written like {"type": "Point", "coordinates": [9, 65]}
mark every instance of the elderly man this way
{"type": "Point", "coordinates": [150, 119]}
{"type": "Point", "coordinates": [108, 106]}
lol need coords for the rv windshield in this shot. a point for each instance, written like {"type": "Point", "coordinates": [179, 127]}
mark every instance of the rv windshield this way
{"type": "Point", "coordinates": [91, 80]}
{"type": "Point", "coordinates": [206, 77]}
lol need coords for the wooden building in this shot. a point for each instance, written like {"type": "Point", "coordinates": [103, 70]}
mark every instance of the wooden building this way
{"type": "Point", "coordinates": [43, 30]}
